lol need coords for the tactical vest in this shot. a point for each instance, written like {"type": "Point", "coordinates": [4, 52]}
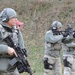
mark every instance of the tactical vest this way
{"type": "Point", "coordinates": [53, 46]}
{"type": "Point", "coordinates": [5, 31]}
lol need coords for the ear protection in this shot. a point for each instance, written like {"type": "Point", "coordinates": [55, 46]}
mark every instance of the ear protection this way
{"type": "Point", "coordinates": [4, 16]}
{"type": "Point", "coordinates": [54, 27]}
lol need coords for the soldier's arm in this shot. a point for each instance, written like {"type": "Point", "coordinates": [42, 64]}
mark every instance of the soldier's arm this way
{"type": "Point", "coordinates": [21, 40]}
{"type": "Point", "coordinates": [3, 49]}
{"type": "Point", "coordinates": [53, 38]}
{"type": "Point", "coordinates": [67, 39]}
{"type": "Point", "coordinates": [71, 44]}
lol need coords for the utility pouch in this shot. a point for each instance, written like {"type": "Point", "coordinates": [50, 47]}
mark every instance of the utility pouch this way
{"type": "Point", "coordinates": [53, 46]}
{"type": "Point", "coordinates": [57, 46]}
{"type": "Point", "coordinates": [12, 65]}
{"type": "Point", "coordinates": [47, 65]}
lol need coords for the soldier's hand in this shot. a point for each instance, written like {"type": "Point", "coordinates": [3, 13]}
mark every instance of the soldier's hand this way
{"type": "Point", "coordinates": [64, 34]}
{"type": "Point", "coordinates": [11, 51]}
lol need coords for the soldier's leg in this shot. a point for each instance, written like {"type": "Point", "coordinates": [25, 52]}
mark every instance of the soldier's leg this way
{"type": "Point", "coordinates": [73, 68]}
{"type": "Point", "coordinates": [48, 72]}
{"type": "Point", "coordinates": [58, 67]}
{"type": "Point", "coordinates": [16, 72]}
{"type": "Point", "coordinates": [48, 65]}
{"type": "Point", "coordinates": [68, 63]}
{"type": "Point", "coordinates": [67, 71]}
{"type": "Point", "coordinates": [11, 73]}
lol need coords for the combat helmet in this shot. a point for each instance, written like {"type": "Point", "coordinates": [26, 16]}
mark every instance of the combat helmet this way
{"type": "Point", "coordinates": [56, 24]}
{"type": "Point", "coordinates": [7, 14]}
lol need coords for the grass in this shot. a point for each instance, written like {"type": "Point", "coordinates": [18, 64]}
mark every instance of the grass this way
{"type": "Point", "coordinates": [35, 60]}
{"type": "Point", "coordinates": [38, 16]}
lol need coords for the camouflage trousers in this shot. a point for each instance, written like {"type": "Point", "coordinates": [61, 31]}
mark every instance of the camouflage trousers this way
{"type": "Point", "coordinates": [10, 73]}
{"type": "Point", "coordinates": [57, 67]}
{"type": "Point", "coordinates": [71, 60]}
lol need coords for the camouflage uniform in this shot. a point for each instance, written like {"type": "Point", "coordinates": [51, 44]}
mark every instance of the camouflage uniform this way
{"type": "Point", "coordinates": [16, 35]}
{"type": "Point", "coordinates": [69, 56]}
{"type": "Point", "coordinates": [53, 45]}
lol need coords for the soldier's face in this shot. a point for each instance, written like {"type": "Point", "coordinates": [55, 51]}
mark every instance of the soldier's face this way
{"type": "Point", "coordinates": [59, 29]}
{"type": "Point", "coordinates": [12, 22]}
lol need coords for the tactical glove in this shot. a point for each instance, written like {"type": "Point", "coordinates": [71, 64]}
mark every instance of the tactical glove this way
{"type": "Point", "coordinates": [64, 34]}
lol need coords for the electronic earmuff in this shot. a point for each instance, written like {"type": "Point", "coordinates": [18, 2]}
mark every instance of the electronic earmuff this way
{"type": "Point", "coordinates": [54, 27]}
{"type": "Point", "coordinates": [4, 16]}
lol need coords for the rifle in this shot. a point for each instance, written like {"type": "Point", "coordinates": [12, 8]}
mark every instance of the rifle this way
{"type": "Point", "coordinates": [68, 31]}
{"type": "Point", "coordinates": [20, 62]}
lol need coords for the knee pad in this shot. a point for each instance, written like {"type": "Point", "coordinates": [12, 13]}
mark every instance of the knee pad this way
{"type": "Point", "coordinates": [47, 65]}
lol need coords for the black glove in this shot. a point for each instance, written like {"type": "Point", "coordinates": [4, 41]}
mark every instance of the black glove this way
{"type": "Point", "coordinates": [64, 34]}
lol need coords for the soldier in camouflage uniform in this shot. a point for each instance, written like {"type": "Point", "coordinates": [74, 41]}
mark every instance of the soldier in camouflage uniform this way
{"type": "Point", "coordinates": [7, 27]}
{"type": "Point", "coordinates": [69, 54]}
{"type": "Point", "coordinates": [53, 45]}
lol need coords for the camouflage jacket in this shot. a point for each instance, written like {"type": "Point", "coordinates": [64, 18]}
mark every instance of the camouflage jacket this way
{"type": "Point", "coordinates": [5, 30]}
{"type": "Point", "coordinates": [68, 46]}
{"type": "Point", "coordinates": [53, 44]}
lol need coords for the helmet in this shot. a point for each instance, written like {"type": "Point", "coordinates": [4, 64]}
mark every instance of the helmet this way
{"type": "Point", "coordinates": [7, 14]}
{"type": "Point", "coordinates": [56, 24]}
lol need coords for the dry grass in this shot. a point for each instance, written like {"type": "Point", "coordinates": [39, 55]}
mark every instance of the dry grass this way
{"type": "Point", "coordinates": [38, 16]}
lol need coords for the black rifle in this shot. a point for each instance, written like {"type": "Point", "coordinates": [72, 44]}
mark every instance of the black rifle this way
{"type": "Point", "coordinates": [20, 61]}
{"type": "Point", "coordinates": [68, 31]}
